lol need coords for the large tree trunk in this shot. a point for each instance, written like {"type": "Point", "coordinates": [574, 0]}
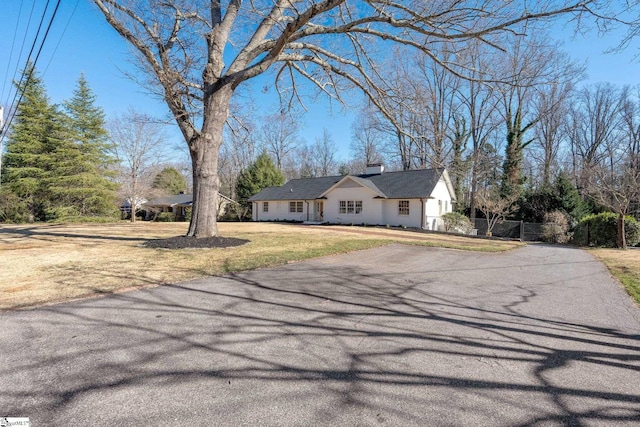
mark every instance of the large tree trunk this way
{"type": "Point", "coordinates": [205, 150]}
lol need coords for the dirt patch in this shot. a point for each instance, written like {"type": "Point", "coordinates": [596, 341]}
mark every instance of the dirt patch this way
{"type": "Point", "coordinates": [182, 242]}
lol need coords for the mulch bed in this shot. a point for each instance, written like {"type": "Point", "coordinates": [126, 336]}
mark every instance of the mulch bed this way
{"type": "Point", "coordinates": [183, 242]}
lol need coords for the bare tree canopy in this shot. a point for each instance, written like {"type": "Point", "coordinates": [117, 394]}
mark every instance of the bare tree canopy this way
{"type": "Point", "coordinates": [197, 53]}
{"type": "Point", "coordinates": [138, 142]}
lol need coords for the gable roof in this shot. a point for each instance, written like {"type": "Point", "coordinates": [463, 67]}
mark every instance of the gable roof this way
{"type": "Point", "coordinates": [367, 183]}
{"type": "Point", "coordinates": [411, 184]}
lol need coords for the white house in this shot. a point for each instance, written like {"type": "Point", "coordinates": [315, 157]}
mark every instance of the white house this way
{"type": "Point", "coordinates": [413, 198]}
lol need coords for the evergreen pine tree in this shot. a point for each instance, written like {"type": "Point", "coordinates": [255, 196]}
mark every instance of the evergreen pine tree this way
{"type": "Point", "coordinates": [27, 160]}
{"type": "Point", "coordinates": [170, 181]}
{"type": "Point", "coordinates": [259, 175]}
{"type": "Point", "coordinates": [84, 181]}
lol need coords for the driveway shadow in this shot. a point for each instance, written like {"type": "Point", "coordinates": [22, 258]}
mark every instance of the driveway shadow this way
{"type": "Point", "coordinates": [311, 344]}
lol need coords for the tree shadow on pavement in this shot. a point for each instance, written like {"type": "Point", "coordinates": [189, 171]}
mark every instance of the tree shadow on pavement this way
{"type": "Point", "coordinates": [315, 345]}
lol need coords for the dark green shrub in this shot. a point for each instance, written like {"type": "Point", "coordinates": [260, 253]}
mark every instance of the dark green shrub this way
{"type": "Point", "coordinates": [602, 230]}
{"type": "Point", "coordinates": [59, 213]}
{"type": "Point", "coordinates": [165, 217]}
{"type": "Point", "coordinates": [12, 208]}
{"type": "Point", "coordinates": [561, 196]}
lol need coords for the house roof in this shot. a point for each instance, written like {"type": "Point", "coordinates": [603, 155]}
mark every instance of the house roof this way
{"type": "Point", "coordinates": [366, 183]}
{"type": "Point", "coordinates": [178, 199]}
{"type": "Point", "coordinates": [411, 184]}
{"type": "Point", "coordinates": [298, 189]}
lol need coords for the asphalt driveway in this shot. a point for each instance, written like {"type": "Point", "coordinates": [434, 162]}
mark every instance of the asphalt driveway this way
{"type": "Point", "coordinates": [400, 335]}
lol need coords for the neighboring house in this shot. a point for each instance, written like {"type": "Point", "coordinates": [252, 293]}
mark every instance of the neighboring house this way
{"type": "Point", "coordinates": [414, 198]}
{"type": "Point", "coordinates": [179, 203]}
{"type": "Point", "coordinates": [125, 206]}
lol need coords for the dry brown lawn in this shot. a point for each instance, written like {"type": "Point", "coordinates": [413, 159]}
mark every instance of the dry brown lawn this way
{"type": "Point", "coordinates": [49, 263]}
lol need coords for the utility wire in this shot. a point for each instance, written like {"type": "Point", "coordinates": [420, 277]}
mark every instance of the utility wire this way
{"type": "Point", "coordinates": [13, 43]}
{"type": "Point", "coordinates": [24, 40]}
{"type": "Point", "coordinates": [33, 45]}
{"type": "Point", "coordinates": [61, 37]}
{"type": "Point", "coordinates": [35, 61]}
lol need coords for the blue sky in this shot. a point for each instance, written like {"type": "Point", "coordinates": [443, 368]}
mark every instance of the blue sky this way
{"type": "Point", "coordinates": [80, 41]}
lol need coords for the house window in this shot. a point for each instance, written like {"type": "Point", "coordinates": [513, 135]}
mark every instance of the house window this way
{"type": "Point", "coordinates": [265, 206]}
{"type": "Point", "coordinates": [295, 207]}
{"type": "Point", "coordinates": [403, 207]}
{"type": "Point", "coordinates": [350, 207]}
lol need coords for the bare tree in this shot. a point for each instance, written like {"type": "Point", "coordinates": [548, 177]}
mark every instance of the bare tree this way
{"type": "Point", "coordinates": [615, 182]}
{"type": "Point", "coordinates": [458, 167]}
{"type": "Point", "coordinates": [366, 140]}
{"type": "Point", "coordinates": [531, 66]}
{"type": "Point", "coordinates": [618, 190]}
{"type": "Point", "coordinates": [551, 108]}
{"type": "Point", "coordinates": [495, 207]}
{"type": "Point", "coordinates": [631, 125]}
{"type": "Point", "coordinates": [239, 150]}
{"type": "Point", "coordinates": [280, 137]}
{"type": "Point", "coordinates": [199, 52]}
{"type": "Point", "coordinates": [323, 152]}
{"type": "Point", "coordinates": [439, 107]}
{"type": "Point", "coordinates": [419, 108]}
{"type": "Point", "coordinates": [138, 143]}
{"type": "Point", "coordinates": [480, 101]}
{"type": "Point", "coordinates": [594, 121]}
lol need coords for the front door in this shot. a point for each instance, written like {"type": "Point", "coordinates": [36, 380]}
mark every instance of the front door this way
{"type": "Point", "coordinates": [319, 211]}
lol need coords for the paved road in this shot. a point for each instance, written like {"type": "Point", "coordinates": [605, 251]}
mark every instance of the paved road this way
{"type": "Point", "coordinates": [400, 336]}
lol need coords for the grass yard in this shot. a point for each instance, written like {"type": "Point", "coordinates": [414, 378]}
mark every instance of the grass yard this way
{"type": "Point", "coordinates": [625, 266]}
{"type": "Point", "coordinates": [49, 263]}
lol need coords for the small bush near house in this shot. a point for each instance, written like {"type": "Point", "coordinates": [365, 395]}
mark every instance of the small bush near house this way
{"type": "Point", "coordinates": [555, 227]}
{"type": "Point", "coordinates": [602, 230]}
{"type": "Point", "coordinates": [457, 222]}
{"type": "Point", "coordinates": [165, 217]}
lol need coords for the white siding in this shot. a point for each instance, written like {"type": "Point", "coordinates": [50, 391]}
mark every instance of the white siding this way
{"type": "Point", "coordinates": [279, 211]}
{"type": "Point", "coordinates": [371, 208]}
{"type": "Point", "coordinates": [437, 205]}
{"type": "Point", "coordinates": [392, 213]}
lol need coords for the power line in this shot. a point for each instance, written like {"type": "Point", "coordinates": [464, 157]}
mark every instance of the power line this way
{"type": "Point", "coordinates": [35, 61]}
{"type": "Point", "coordinates": [13, 43]}
{"type": "Point", "coordinates": [24, 39]}
{"type": "Point", "coordinates": [61, 36]}
{"type": "Point", "coordinates": [13, 104]}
